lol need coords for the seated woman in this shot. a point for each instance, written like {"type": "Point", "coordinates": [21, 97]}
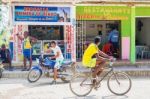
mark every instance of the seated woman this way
{"type": "Point", "coordinates": [108, 49]}
{"type": "Point", "coordinates": [5, 56]}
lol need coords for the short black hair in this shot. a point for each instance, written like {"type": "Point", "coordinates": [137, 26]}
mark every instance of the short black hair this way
{"type": "Point", "coordinates": [53, 42]}
{"type": "Point", "coordinates": [97, 39]}
{"type": "Point", "coordinates": [3, 46]}
{"type": "Point", "coordinates": [114, 26]}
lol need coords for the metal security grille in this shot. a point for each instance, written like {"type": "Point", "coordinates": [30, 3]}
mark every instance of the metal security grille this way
{"type": "Point", "coordinates": [80, 38]}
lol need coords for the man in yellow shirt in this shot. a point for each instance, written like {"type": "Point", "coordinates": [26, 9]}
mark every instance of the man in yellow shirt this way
{"type": "Point", "coordinates": [27, 48]}
{"type": "Point", "coordinates": [94, 58]}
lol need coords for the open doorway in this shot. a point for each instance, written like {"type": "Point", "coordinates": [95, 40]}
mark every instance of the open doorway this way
{"type": "Point", "coordinates": [142, 38]}
{"type": "Point", "coordinates": [45, 34]}
{"type": "Point", "coordinates": [88, 30]}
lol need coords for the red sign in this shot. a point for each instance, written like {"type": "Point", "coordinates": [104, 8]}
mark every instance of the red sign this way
{"type": "Point", "coordinates": [20, 28]}
{"type": "Point", "coordinates": [68, 37]}
{"type": "Point", "coordinates": [70, 40]}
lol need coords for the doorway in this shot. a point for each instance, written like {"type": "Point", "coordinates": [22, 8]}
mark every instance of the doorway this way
{"type": "Point", "coordinates": [88, 30]}
{"type": "Point", "coordinates": [45, 34]}
{"type": "Point", "coordinates": [142, 38]}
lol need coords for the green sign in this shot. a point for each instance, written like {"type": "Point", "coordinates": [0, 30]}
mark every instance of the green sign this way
{"type": "Point", "coordinates": [103, 12]}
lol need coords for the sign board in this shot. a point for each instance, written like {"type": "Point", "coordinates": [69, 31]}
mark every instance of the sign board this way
{"type": "Point", "coordinates": [103, 12]}
{"type": "Point", "coordinates": [41, 14]}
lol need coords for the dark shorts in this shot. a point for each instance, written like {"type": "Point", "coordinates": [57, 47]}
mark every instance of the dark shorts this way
{"type": "Point", "coordinates": [27, 53]}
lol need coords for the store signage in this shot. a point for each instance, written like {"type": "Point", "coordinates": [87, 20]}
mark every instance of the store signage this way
{"type": "Point", "coordinates": [70, 40]}
{"type": "Point", "coordinates": [15, 45]}
{"type": "Point", "coordinates": [103, 13]}
{"type": "Point", "coordinates": [41, 14]}
{"type": "Point", "coordinates": [19, 44]}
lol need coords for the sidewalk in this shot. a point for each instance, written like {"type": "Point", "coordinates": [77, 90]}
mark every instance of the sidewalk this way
{"type": "Point", "coordinates": [134, 71]}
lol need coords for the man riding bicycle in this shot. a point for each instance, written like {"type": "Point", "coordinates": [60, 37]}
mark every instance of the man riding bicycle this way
{"type": "Point", "coordinates": [94, 58]}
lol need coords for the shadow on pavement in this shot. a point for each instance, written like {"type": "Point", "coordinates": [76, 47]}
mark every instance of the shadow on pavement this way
{"type": "Point", "coordinates": [39, 84]}
{"type": "Point", "coordinates": [99, 97]}
{"type": "Point", "coordinates": [114, 97]}
{"type": "Point", "coordinates": [86, 97]}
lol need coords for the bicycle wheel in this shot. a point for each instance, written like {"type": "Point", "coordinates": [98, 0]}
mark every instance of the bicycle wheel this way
{"type": "Point", "coordinates": [81, 85]}
{"type": "Point", "coordinates": [119, 83]}
{"type": "Point", "coordinates": [66, 75]}
{"type": "Point", "coordinates": [1, 73]}
{"type": "Point", "coordinates": [34, 75]}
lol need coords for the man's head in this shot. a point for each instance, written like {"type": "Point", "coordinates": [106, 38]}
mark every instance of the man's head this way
{"type": "Point", "coordinates": [113, 27]}
{"type": "Point", "coordinates": [26, 34]}
{"type": "Point", "coordinates": [97, 40]}
{"type": "Point", "coordinates": [53, 44]}
{"type": "Point", "coordinates": [3, 46]}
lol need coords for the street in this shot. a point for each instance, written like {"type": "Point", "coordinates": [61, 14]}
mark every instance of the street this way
{"type": "Point", "coordinates": [22, 89]}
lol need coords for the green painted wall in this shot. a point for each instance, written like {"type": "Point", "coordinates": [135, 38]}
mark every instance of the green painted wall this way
{"type": "Point", "coordinates": [142, 11]}
{"type": "Point", "coordinates": [132, 43]}
{"type": "Point", "coordinates": [125, 28]}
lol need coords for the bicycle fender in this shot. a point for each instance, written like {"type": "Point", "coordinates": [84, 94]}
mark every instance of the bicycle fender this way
{"type": "Point", "coordinates": [37, 67]}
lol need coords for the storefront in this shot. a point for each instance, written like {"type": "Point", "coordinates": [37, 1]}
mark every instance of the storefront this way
{"type": "Point", "coordinates": [142, 32]}
{"type": "Point", "coordinates": [46, 23]}
{"type": "Point", "coordinates": [57, 22]}
{"type": "Point", "coordinates": [97, 20]}
{"type": "Point", "coordinates": [133, 26]}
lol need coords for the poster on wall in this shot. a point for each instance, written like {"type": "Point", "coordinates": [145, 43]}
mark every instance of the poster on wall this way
{"type": "Point", "coordinates": [41, 14]}
{"type": "Point", "coordinates": [70, 42]}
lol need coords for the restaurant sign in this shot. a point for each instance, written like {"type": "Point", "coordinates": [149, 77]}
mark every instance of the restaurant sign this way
{"type": "Point", "coordinates": [103, 12]}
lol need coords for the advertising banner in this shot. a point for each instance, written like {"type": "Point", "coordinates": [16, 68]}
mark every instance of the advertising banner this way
{"type": "Point", "coordinates": [70, 42]}
{"type": "Point", "coordinates": [41, 14]}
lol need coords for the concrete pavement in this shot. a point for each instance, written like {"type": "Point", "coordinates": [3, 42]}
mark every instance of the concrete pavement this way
{"type": "Point", "coordinates": [21, 89]}
{"type": "Point", "coordinates": [133, 71]}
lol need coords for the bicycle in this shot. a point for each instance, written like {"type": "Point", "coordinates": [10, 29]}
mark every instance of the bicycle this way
{"type": "Point", "coordinates": [1, 68]}
{"type": "Point", "coordinates": [115, 82]}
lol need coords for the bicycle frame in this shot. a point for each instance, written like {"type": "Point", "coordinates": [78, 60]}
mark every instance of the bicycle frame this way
{"type": "Point", "coordinates": [111, 70]}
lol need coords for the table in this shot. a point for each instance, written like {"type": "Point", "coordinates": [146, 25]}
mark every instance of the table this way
{"type": "Point", "coordinates": [139, 50]}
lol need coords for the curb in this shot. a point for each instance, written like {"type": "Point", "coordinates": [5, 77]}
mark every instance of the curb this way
{"type": "Point", "coordinates": [24, 74]}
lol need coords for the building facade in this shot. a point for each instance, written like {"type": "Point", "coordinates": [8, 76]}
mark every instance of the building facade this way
{"type": "Point", "coordinates": [74, 24]}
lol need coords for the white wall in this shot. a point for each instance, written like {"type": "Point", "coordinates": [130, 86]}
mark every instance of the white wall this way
{"type": "Point", "coordinates": [92, 32]}
{"type": "Point", "coordinates": [143, 36]}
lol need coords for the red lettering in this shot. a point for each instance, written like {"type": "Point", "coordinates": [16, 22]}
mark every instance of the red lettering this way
{"type": "Point", "coordinates": [38, 13]}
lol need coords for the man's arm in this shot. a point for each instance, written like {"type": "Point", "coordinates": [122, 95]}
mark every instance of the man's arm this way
{"type": "Point", "coordinates": [103, 54]}
{"type": "Point", "coordinates": [33, 39]}
{"type": "Point", "coordinates": [109, 36]}
{"type": "Point", "coordinates": [57, 55]}
{"type": "Point", "coordinates": [20, 37]}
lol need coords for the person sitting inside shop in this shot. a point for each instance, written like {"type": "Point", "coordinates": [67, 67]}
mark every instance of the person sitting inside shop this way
{"type": "Point", "coordinates": [108, 48]}
{"type": "Point", "coordinates": [5, 56]}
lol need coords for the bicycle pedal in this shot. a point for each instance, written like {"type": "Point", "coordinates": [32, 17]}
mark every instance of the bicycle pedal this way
{"type": "Point", "coordinates": [97, 86]}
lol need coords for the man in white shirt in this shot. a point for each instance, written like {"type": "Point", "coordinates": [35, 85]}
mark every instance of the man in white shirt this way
{"type": "Point", "coordinates": [59, 58]}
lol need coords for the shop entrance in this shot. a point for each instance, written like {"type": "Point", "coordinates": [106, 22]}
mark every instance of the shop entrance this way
{"type": "Point", "coordinates": [45, 34]}
{"type": "Point", "coordinates": [88, 30]}
{"type": "Point", "coordinates": [142, 38]}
